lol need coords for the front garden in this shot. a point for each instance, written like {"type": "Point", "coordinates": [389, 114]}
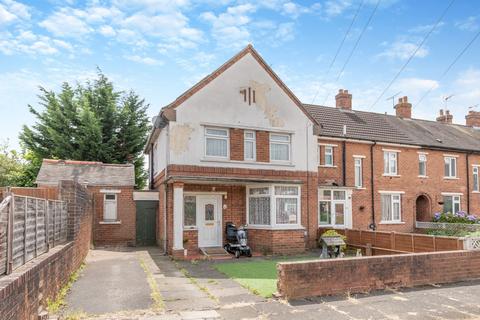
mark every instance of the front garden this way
{"type": "Point", "coordinates": [459, 224]}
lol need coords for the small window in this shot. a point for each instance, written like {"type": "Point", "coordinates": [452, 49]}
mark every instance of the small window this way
{"type": "Point", "coordinates": [249, 146]}
{"type": "Point", "coordinates": [209, 212]}
{"type": "Point", "coordinates": [279, 147]}
{"type": "Point", "coordinates": [391, 207]}
{"type": "Point", "coordinates": [450, 167]}
{"type": "Point", "coordinates": [390, 163]}
{"type": "Point", "coordinates": [216, 142]}
{"type": "Point", "coordinates": [451, 204]}
{"type": "Point", "coordinates": [189, 211]}
{"type": "Point", "coordinates": [358, 172]}
{"type": "Point", "coordinates": [422, 165]}
{"type": "Point", "coordinates": [332, 206]}
{"type": "Point", "coordinates": [110, 207]}
{"type": "Point", "coordinates": [328, 156]}
{"type": "Point", "coordinates": [475, 179]}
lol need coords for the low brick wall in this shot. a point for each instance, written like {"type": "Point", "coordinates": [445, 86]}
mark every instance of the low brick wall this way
{"type": "Point", "coordinates": [277, 241]}
{"type": "Point", "coordinates": [25, 291]}
{"type": "Point", "coordinates": [364, 274]}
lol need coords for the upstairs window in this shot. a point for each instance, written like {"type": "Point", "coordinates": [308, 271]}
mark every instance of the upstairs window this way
{"type": "Point", "coordinates": [249, 145]}
{"type": "Point", "coordinates": [450, 167]}
{"type": "Point", "coordinates": [358, 172]}
{"type": "Point", "coordinates": [390, 163]}
{"type": "Point", "coordinates": [279, 147]}
{"type": "Point", "coordinates": [422, 165]}
{"type": "Point", "coordinates": [328, 156]}
{"type": "Point", "coordinates": [475, 179]}
{"type": "Point", "coordinates": [216, 142]}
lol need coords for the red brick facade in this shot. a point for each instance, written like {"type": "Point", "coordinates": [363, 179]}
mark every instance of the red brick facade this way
{"type": "Point", "coordinates": [236, 144]}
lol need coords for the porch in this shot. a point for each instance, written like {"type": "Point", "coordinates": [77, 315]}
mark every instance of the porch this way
{"type": "Point", "coordinates": [272, 210]}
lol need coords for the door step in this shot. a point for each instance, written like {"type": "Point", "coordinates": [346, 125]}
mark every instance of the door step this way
{"type": "Point", "coordinates": [215, 252]}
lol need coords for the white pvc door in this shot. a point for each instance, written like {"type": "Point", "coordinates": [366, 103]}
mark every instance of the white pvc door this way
{"type": "Point", "coordinates": [209, 227]}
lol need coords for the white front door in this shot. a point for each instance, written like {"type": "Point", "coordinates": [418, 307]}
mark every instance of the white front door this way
{"type": "Point", "coordinates": [209, 220]}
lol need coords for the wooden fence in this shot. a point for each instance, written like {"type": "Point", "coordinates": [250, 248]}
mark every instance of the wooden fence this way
{"type": "Point", "coordinates": [29, 227]}
{"type": "Point", "coordinates": [384, 242]}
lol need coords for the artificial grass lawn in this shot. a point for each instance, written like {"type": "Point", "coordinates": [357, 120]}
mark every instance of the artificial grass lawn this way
{"type": "Point", "coordinates": [260, 276]}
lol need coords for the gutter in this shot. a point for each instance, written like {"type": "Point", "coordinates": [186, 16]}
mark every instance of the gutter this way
{"type": "Point", "coordinates": [372, 226]}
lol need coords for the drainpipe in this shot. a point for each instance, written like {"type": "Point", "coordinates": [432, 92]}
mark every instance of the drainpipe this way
{"type": "Point", "coordinates": [344, 163]}
{"type": "Point", "coordinates": [308, 189]}
{"type": "Point", "coordinates": [372, 226]}
{"type": "Point", "coordinates": [468, 183]}
{"type": "Point", "coordinates": [151, 167]}
{"type": "Point", "coordinates": [167, 161]}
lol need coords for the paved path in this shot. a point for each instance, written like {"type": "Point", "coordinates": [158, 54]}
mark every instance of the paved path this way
{"type": "Point", "coordinates": [123, 285]}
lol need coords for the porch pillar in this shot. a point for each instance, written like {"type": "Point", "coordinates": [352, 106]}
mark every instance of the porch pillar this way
{"type": "Point", "coordinates": [177, 216]}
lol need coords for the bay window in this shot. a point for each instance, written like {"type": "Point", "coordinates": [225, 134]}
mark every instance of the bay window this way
{"type": "Point", "coordinates": [275, 205]}
{"type": "Point", "coordinates": [391, 207]}
{"type": "Point", "coordinates": [216, 142]}
{"type": "Point", "coordinates": [279, 147]}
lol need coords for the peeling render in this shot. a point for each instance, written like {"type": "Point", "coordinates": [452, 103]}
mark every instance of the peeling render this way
{"type": "Point", "coordinates": [270, 111]}
{"type": "Point", "coordinates": [180, 135]}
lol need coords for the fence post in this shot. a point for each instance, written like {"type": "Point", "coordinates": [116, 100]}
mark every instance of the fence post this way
{"type": "Point", "coordinates": [392, 240]}
{"type": "Point", "coordinates": [25, 209]}
{"type": "Point", "coordinates": [434, 243]}
{"type": "Point", "coordinates": [10, 225]}
{"type": "Point", "coordinates": [413, 243]}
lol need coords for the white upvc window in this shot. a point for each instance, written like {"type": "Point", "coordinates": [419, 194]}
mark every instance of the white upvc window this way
{"type": "Point", "coordinates": [390, 165]}
{"type": "Point", "coordinates": [328, 156]}
{"type": "Point", "coordinates": [475, 179]}
{"type": "Point", "coordinates": [189, 211]}
{"type": "Point", "coordinates": [358, 172]}
{"type": "Point", "coordinates": [217, 142]}
{"type": "Point", "coordinates": [422, 165]}
{"type": "Point", "coordinates": [274, 205]}
{"type": "Point", "coordinates": [451, 203]}
{"type": "Point", "coordinates": [391, 207]}
{"type": "Point", "coordinates": [249, 146]}
{"type": "Point", "coordinates": [280, 145]}
{"type": "Point", "coordinates": [332, 207]}
{"type": "Point", "coordinates": [450, 167]}
{"type": "Point", "coordinates": [110, 207]}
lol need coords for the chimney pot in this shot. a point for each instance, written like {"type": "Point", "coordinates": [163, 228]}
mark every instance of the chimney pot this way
{"type": "Point", "coordinates": [343, 100]}
{"type": "Point", "coordinates": [445, 117]}
{"type": "Point", "coordinates": [403, 109]}
{"type": "Point", "coordinates": [473, 119]}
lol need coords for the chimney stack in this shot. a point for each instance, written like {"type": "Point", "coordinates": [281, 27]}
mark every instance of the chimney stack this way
{"type": "Point", "coordinates": [445, 117]}
{"type": "Point", "coordinates": [473, 119]}
{"type": "Point", "coordinates": [343, 100]}
{"type": "Point", "coordinates": [403, 108]}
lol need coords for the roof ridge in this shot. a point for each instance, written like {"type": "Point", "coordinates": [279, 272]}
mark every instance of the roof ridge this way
{"type": "Point", "coordinates": [86, 163]}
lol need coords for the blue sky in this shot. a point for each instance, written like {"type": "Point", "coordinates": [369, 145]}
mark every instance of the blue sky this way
{"type": "Point", "coordinates": [160, 48]}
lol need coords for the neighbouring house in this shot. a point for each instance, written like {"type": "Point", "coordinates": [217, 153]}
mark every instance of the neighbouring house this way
{"type": "Point", "coordinates": [239, 146]}
{"type": "Point", "coordinates": [112, 187]}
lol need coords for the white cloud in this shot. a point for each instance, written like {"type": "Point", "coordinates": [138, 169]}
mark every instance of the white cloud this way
{"type": "Point", "coordinates": [469, 24]}
{"type": "Point", "coordinates": [12, 10]}
{"type": "Point", "coordinates": [294, 10]}
{"type": "Point", "coordinates": [144, 60]}
{"type": "Point", "coordinates": [64, 23]}
{"type": "Point", "coordinates": [426, 28]}
{"type": "Point", "coordinates": [107, 31]}
{"type": "Point", "coordinates": [33, 44]}
{"type": "Point", "coordinates": [336, 7]}
{"type": "Point", "coordinates": [416, 86]}
{"type": "Point", "coordinates": [402, 50]}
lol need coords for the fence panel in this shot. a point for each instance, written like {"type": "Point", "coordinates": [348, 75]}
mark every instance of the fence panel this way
{"type": "Point", "coordinates": [38, 224]}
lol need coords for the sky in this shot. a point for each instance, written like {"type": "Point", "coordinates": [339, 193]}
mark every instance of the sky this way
{"type": "Point", "coordinates": [160, 48]}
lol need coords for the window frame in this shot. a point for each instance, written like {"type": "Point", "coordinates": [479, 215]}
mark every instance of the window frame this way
{"type": "Point", "coordinates": [392, 206]}
{"type": "Point", "coordinates": [420, 161]}
{"type": "Point", "coordinates": [277, 142]}
{"type": "Point", "coordinates": [252, 140]}
{"type": "Point", "coordinates": [329, 153]}
{"type": "Point", "coordinates": [273, 206]}
{"type": "Point", "coordinates": [217, 137]}
{"type": "Point", "coordinates": [454, 201]}
{"type": "Point", "coordinates": [189, 227]}
{"type": "Point", "coordinates": [387, 159]}
{"type": "Point", "coordinates": [358, 184]}
{"type": "Point", "coordinates": [475, 181]}
{"type": "Point", "coordinates": [105, 200]}
{"type": "Point", "coordinates": [332, 202]}
{"type": "Point", "coordinates": [450, 160]}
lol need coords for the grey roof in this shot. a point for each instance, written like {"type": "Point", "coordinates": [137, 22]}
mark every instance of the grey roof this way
{"type": "Point", "coordinates": [379, 127]}
{"type": "Point", "coordinates": [86, 172]}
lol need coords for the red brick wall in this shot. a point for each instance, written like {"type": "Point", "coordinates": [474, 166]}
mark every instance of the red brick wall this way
{"type": "Point", "coordinates": [277, 241]}
{"type": "Point", "coordinates": [236, 144]}
{"type": "Point", "coordinates": [354, 275]}
{"type": "Point", "coordinates": [115, 234]}
{"type": "Point", "coordinates": [263, 146]}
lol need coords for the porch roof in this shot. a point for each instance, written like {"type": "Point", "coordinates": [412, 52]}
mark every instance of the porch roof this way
{"type": "Point", "coordinates": [229, 180]}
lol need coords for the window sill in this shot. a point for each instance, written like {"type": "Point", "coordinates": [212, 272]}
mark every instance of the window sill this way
{"type": "Point", "coordinates": [331, 226]}
{"type": "Point", "coordinates": [285, 227]}
{"type": "Point", "coordinates": [248, 162]}
{"type": "Point", "coordinates": [190, 228]}
{"type": "Point", "coordinates": [360, 188]}
{"type": "Point", "coordinates": [451, 178]}
{"type": "Point", "coordinates": [391, 222]}
{"type": "Point", "coordinates": [475, 191]}
{"type": "Point", "coordinates": [326, 166]}
{"type": "Point", "coordinates": [391, 175]}
{"type": "Point", "coordinates": [423, 177]}
{"type": "Point", "coordinates": [111, 222]}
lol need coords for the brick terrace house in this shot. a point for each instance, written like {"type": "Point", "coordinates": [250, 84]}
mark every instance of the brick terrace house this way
{"type": "Point", "coordinates": [239, 146]}
{"type": "Point", "coordinates": [112, 187]}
